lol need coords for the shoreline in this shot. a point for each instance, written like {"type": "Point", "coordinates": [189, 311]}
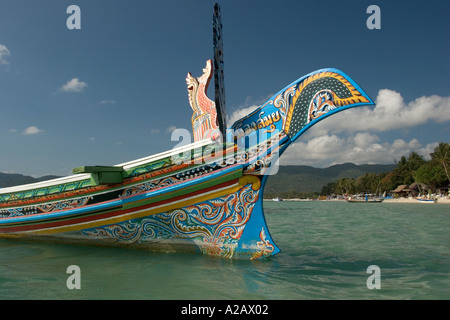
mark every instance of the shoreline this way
{"type": "Point", "coordinates": [414, 200]}
{"type": "Point", "coordinates": [390, 200]}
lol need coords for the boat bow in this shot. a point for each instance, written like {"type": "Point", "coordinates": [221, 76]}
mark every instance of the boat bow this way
{"type": "Point", "coordinates": [300, 105]}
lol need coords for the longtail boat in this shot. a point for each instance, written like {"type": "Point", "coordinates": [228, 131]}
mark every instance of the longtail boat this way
{"type": "Point", "coordinates": [206, 196]}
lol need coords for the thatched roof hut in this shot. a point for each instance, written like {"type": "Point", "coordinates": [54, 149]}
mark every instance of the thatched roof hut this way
{"type": "Point", "coordinates": [401, 190]}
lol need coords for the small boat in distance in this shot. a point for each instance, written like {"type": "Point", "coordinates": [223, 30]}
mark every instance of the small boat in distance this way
{"type": "Point", "coordinates": [365, 199]}
{"type": "Point", "coordinates": [425, 200]}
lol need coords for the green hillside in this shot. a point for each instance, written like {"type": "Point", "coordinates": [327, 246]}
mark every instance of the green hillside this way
{"type": "Point", "coordinates": [15, 179]}
{"type": "Point", "coordinates": [309, 179]}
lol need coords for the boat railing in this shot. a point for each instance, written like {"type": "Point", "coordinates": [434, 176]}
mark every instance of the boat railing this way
{"type": "Point", "coordinates": [125, 166]}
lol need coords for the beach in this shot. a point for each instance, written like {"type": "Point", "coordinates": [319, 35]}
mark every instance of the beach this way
{"type": "Point", "coordinates": [414, 200]}
{"type": "Point", "coordinates": [387, 200]}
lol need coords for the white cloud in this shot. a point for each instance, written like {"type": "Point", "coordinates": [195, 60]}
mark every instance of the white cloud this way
{"type": "Point", "coordinates": [238, 114]}
{"type": "Point", "coordinates": [361, 148]}
{"type": "Point", "coordinates": [106, 101]}
{"type": "Point", "coordinates": [390, 112]}
{"type": "Point", "coordinates": [4, 52]}
{"type": "Point", "coordinates": [170, 129]}
{"type": "Point", "coordinates": [351, 136]}
{"type": "Point", "coordinates": [73, 85]}
{"type": "Point", "coordinates": [32, 130]}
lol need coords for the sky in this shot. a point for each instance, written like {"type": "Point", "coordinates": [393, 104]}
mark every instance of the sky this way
{"type": "Point", "coordinates": [114, 90]}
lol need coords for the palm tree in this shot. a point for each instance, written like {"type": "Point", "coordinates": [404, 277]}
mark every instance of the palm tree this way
{"type": "Point", "coordinates": [400, 170]}
{"type": "Point", "coordinates": [370, 183]}
{"type": "Point", "coordinates": [344, 185]}
{"type": "Point", "coordinates": [406, 167]}
{"type": "Point", "coordinates": [415, 161]}
{"type": "Point", "coordinates": [441, 155]}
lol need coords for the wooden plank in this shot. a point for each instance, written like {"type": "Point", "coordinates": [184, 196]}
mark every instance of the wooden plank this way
{"type": "Point", "coordinates": [102, 174]}
{"type": "Point", "coordinates": [96, 169]}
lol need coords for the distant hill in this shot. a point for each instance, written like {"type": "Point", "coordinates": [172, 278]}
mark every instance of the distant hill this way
{"type": "Point", "coordinates": [309, 179]}
{"type": "Point", "coordinates": [296, 178]}
{"type": "Point", "coordinates": [15, 179]}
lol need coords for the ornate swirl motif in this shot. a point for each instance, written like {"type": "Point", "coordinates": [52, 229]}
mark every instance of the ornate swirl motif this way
{"type": "Point", "coordinates": [283, 100]}
{"type": "Point", "coordinates": [265, 248]}
{"type": "Point", "coordinates": [63, 205]}
{"type": "Point", "coordinates": [143, 187]}
{"type": "Point", "coordinates": [46, 207]}
{"type": "Point", "coordinates": [215, 226]}
{"type": "Point", "coordinates": [321, 103]}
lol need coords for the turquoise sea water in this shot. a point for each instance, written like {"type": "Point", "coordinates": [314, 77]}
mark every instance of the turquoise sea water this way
{"type": "Point", "coordinates": [326, 250]}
